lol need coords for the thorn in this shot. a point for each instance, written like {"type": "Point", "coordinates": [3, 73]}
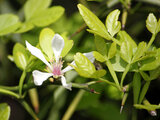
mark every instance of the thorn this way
{"type": "Point", "coordinates": [93, 91]}
{"type": "Point", "coordinates": [98, 81]}
{"type": "Point", "coordinates": [121, 109]}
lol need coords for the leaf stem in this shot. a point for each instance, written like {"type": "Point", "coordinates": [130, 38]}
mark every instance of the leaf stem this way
{"type": "Point", "coordinates": [124, 74]}
{"type": "Point", "coordinates": [110, 67]}
{"type": "Point", "coordinates": [73, 105]}
{"type": "Point", "coordinates": [151, 41]}
{"type": "Point", "coordinates": [108, 82]}
{"type": "Point", "coordinates": [116, 41]}
{"type": "Point", "coordinates": [32, 85]}
{"type": "Point", "coordinates": [29, 109]}
{"type": "Point", "coordinates": [21, 82]}
{"type": "Point", "coordinates": [7, 92]}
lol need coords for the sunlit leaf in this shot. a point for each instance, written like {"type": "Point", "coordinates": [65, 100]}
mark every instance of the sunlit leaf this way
{"type": "Point", "coordinates": [82, 72]}
{"type": "Point", "coordinates": [20, 56]}
{"type": "Point", "coordinates": [151, 65]}
{"type": "Point", "coordinates": [99, 34]}
{"type": "Point", "coordinates": [98, 73]}
{"type": "Point", "coordinates": [126, 51]}
{"type": "Point", "coordinates": [151, 23]}
{"type": "Point", "coordinates": [93, 21]}
{"type": "Point", "coordinates": [118, 63]}
{"type": "Point", "coordinates": [124, 36]}
{"type": "Point", "coordinates": [68, 44]}
{"type": "Point", "coordinates": [112, 23]}
{"type": "Point", "coordinates": [45, 40]}
{"type": "Point", "coordinates": [47, 16]}
{"type": "Point", "coordinates": [83, 63]}
{"type": "Point", "coordinates": [32, 7]}
{"type": "Point", "coordinates": [99, 57]}
{"type": "Point", "coordinates": [4, 111]}
{"type": "Point", "coordinates": [8, 23]}
{"type": "Point", "coordinates": [112, 50]}
{"type": "Point", "coordinates": [158, 26]}
{"type": "Point", "coordinates": [26, 26]}
{"type": "Point", "coordinates": [100, 45]}
{"type": "Point", "coordinates": [140, 51]}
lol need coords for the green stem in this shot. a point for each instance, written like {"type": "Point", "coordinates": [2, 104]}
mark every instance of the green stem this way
{"type": "Point", "coordinates": [29, 109]}
{"type": "Point", "coordinates": [7, 92]}
{"type": "Point", "coordinates": [110, 67]}
{"type": "Point", "coordinates": [108, 82]}
{"type": "Point", "coordinates": [124, 3]}
{"type": "Point", "coordinates": [116, 41]}
{"type": "Point", "coordinates": [151, 41]}
{"type": "Point", "coordinates": [21, 82]}
{"type": "Point", "coordinates": [124, 74]}
{"type": "Point", "coordinates": [73, 105]}
{"type": "Point", "coordinates": [32, 85]}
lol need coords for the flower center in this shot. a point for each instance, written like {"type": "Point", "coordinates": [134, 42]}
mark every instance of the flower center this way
{"type": "Point", "coordinates": [57, 69]}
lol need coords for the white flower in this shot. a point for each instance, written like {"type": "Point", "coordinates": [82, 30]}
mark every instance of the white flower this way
{"type": "Point", "coordinates": [54, 68]}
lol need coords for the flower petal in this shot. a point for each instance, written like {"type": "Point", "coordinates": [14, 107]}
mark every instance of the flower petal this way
{"type": "Point", "coordinates": [90, 56]}
{"type": "Point", "coordinates": [68, 68]}
{"type": "Point", "coordinates": [40, 77]}
{"type": "Point", "coordinates": [57, 46]}
{"type": "Point", "coordinates": [37, 53]}
{"type": "Point", "coordinates": [67, 86]}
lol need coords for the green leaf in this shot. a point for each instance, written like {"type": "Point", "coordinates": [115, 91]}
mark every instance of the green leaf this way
{"type": "Point", "coordinates": [100, 45]}
{"type": "Point", "coordinates": [68, 44]}
{"type": "Point", "coordinates": [136, 86]}
{"type": "Point", "coordinates": [151, 65]}
{"type": "Point", "coordinates": [8, 23]}
{"type": "Point", "coordinates": [154, 73]}
{"type": "Point", "coordinates": [144, 91]}
{"type": "Point", "coordinates": [145, 76]}
{"type": "Point", "coordinates": [140, 51]}
{"type": "Point", "coordinates": [99, 34]}
{"type": "Point", "coordinates": [83, 63]}
{"type": "Point", "coordinates": [124, 36]}
{"type": "Point", "coordinates": [47, 16]}
{"type": "Point", "coordinates": [32, 7]}
{"type": "Point", "coordinates": [20, 56]}
{"type": "Point", "coordinates": [82, 72]}
{"type": "Point", "coordinates": [126, 51]}
{"type": "Point", "coordinates": [25, 27]}
{"type": "Point", "coordinates": [4, 111]}
{"type": "Point", "coordinates": [151, 23]}
{"type": "Point", "coordinates": [158, 26]}
{"type": "Point", "coordinates": [99, 57]}
{"type": "Point", "coordinates": [112, 23]}
{"type": "Point", "coordinates": [118, 63]}
{"type": "Point", "coordinates": [112, 50]}
{"type": "Point", "coordinates": [93, 21]}
{"type": "Point", "coordinates": [45, 40]}
{"type": "Point", "coordinates": [98, 73]}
